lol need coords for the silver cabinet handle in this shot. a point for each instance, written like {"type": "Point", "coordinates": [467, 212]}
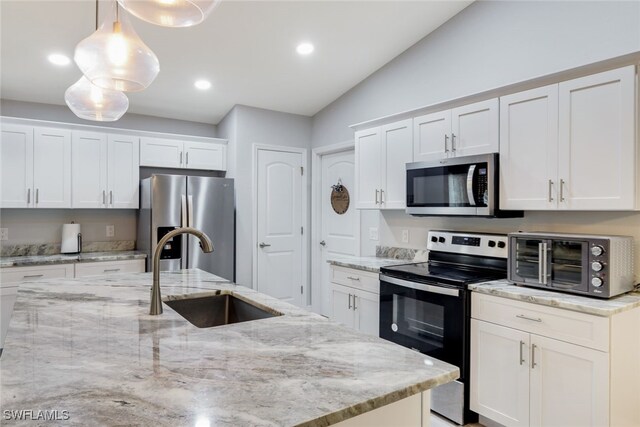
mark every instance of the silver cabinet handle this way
{"type": "Point", "coordinates": [263, 245]}
{"type": "Point", "coordinates": [323, 243]}
{"type": "Point", "coordinates": [377, 196]}
{"type": "Point", "coordinates": [446, 140]}
{"type": "Point", "coordinates": [111, 197]}
{"type": "Point", "coordinates": [353, 278]}
{"type": "Point", "coordinates": [28, 196]}
{"type": "Point", "coordinates": [37, 195]}
{"type": "Point", "coordinates": [453, 142]}
{"type": "Point", "coordinates": [562, 190]}
{"type": "Point", "coordinates": [187, 158]}
{"type": "Point", "coordinates": [32, 276]}
{"type": "Point", "coordinates": [181, 158]}
{"type": "Point", "coordinates": [349, 301]}
{"type": "Point", "coordinates": [381, 198]}
{"type": "Point", "coordinates": [354, 302]}
{"type": "Point", "coordinates": [109, 270]}
{"type": "Point", "coordinates": [533, 319]}
{"type": "Point", "coordinates": [550, 190]}
{"type": "Point", "coordinates": [533, 356]}
{"type": "Point", "coordinates": [104, 197]}
{"type": "Point", "coordinates": [521, 352]}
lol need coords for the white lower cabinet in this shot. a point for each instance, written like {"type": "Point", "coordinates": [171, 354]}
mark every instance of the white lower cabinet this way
{"type": "Point", "coordinates": [355, 305]}
{"type": "Point", "coordinates": [522, 378]}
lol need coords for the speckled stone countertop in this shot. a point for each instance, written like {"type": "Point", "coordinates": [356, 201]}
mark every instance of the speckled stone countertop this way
{"type": "Point", "coordinates": [589, 305]}
{"type": "Point", "coordinates": [365, 263]}
{"type": "Point", "coordinates": [23, 261]}
{"type": "Point", "coordinates": [89, 347]}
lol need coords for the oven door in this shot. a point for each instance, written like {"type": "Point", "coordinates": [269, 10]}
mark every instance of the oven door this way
{"type": "Point", "coordinates": [426, 317]}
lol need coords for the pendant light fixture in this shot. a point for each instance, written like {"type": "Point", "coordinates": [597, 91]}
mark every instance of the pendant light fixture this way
{"type": "Point", "coordinates": [114, 57]}
{"type": "Point", "coordinates": [170, 13]}
{"type": "Point", "coordinates": [91, 102]}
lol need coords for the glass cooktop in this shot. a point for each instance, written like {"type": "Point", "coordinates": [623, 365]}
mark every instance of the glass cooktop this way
{"type": "Point", "coordinates": [426, 272]}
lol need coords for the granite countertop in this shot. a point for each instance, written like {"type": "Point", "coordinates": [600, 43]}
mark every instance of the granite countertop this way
{"type": "Point", "coordinates": [89, 346]}
{"type": "Point", "coordinates": [23, 261]}
{"type": "Point", "coordinates": [589, 305]}
{"type": "Point", "coordinates": [366, 263]}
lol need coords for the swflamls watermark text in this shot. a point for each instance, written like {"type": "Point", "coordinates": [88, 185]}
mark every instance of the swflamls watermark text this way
{"type": "Point", "coordinates": [35, 415]}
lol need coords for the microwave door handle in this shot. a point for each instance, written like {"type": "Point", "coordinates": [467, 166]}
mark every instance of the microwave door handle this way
{"type": "Point", "coordinates": [470, 174]}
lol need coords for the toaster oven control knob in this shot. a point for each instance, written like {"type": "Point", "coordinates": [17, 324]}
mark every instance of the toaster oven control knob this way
{"type": "Point", "coordinates": [501, 245]}
{"type": "Point", "coordinates": [596, 266]}
{"type": "Point", "coordinates": [441, 239]}
{"type": "Point", "coordinates": [597, 250]}
{"type": "Point", "coordinates": [597, 282]}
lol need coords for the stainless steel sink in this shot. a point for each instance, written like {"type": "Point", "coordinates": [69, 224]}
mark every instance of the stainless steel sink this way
{"type": "Point", "coordinates": [217, 310]}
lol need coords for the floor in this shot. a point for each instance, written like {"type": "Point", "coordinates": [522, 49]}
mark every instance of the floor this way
{"type": "Point", "coordinates": [438, 421]}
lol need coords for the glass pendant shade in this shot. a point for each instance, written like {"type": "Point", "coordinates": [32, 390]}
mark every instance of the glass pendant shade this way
{"type": "Point", "coordinates": [91, 102]}
{"type": "Point", "coordinates": [170, 13]}
{"type": "Point", "coordinates": [114, 57]}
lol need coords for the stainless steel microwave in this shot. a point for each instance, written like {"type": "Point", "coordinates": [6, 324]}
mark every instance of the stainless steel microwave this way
{"type": "Point", "coordinates": [600, 266]}
{"type": "Point", "coordinates": [464, 186]}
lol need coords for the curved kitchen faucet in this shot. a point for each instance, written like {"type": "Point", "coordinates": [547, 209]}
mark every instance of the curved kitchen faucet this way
{"type": "Point", "coordinates": [205, 245]}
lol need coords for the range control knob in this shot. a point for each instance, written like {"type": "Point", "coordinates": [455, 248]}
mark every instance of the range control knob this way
{"type": "Point", "coordinates": [597, 266]}
{"type": "Point", "coordinates": [502, 245]}
{"type": "Point", "coordinates": [441, 239]}
{"type": "Point", "coordinates": [597, 250]}
{"type": "Point", "coordinates": [597, 282]}
{"type": "Point", "coordinates": [492, 244]}
{"type": "Point", "coordinates": [434, 239]}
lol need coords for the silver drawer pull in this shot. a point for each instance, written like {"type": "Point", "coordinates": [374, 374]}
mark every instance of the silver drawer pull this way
{"type": "Point", "coordinates": [353, 278]}
{"type": "Point", "coordinates": [32, 276]}
{"type": "Point", "coordinates": [522, 316]}
{"type": "Point", "coordinates": [110, 270]}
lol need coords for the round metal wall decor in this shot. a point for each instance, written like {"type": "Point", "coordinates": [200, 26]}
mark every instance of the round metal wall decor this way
{"type": "Point", "coordinates": [340, 198]}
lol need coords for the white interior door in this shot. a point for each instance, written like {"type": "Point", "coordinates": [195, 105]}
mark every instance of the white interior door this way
{"type": "Point", "coordinates": [279, 231]}
{"type": "Point", "coordinates": [338, 232]}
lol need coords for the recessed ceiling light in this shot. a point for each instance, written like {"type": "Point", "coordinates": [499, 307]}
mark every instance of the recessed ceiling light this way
{"type": "Point", "coordinates": [59, 59]}
{"type": "Point", "coordinates": [304, 48]}
{"type": "Point", "coordinates": [202, 84]}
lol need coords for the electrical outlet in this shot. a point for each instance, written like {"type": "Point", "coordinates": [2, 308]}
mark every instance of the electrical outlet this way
{"type": "Point", "coordinates": [4, 234]}
{"type": "Point", "coordinates": [373, 233]}
{"type": "Point", "coordinates": [405, 236]}
{"type": "Point", "coordinates": [111, 230]}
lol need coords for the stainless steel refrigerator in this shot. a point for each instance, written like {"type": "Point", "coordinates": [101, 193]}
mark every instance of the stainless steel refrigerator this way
{"type": "Point", "coordinates": [205, 203]}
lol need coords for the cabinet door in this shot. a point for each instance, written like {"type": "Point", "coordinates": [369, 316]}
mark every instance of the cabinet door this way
{"type": "Point", "coordinates": [398, 151]}
{"type": "Point", "coordinates": [52, 168]}
{"type": "Point", "coordinates": [475, 128]}
{"type": "Point", "coordinates": [16, 166]}
{"type": "Point", "coordinates": [500, 373]}
{"type": "Point", "coordinates": [597, 141]}
{"type": "Point", "coordinates": [124, 172]}
{"type": "Point", "coordinates": [342, 305]}
{"type": "Point", "coordinates": [159, 152]}
{"type": "Point", "coordinates": [529, 149]}
{"type": "Point", "coordinates": [432, 136]}
{"type": "Point", "coordinates": [569, 384]}
{"type": "Point", "coordinates": [368, 168]}
{"type": "Point", "coordinates": [205, 155]}
{"type": "Point", "coordinates": [89, 170]}
{"type": "Point", "coordinates": [366, 306]}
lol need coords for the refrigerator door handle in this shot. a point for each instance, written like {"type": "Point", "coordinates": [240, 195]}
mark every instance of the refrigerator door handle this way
{"type": "Point", "coordinates": [184, 211]}
{"type": "Point", "coordinates": [190, 199]}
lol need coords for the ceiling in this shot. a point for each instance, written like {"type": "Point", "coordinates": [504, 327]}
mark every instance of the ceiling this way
{"type": "Point", "coordinates": [247, 49]}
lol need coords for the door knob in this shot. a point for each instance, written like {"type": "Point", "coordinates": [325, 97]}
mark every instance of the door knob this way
{"type": "Point", "coordinates": [323, 243]}
{"type": "Point", "coordinates": [263, 245]}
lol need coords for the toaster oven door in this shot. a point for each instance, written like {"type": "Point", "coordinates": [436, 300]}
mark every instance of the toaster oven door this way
{"type": "Point", "coordinates": [529, 261]}
{"type": "Point", "coordinates": [569, 265]}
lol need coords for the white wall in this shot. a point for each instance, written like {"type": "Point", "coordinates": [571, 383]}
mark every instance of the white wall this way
{"type": "Point", "coordinates": [489, 45]}
{"type": "Point", "coordinates": [245, 126]}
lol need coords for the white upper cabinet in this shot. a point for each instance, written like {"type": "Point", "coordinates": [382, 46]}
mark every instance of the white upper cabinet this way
{"type": "Point", "coordinates": [16, 164]}
{"type": "Point", "coordinates": [528, 149]}
{"type": "Point", "coordinates": [368, 168]}
{"type": "Point", "coordinates": [123, 180]}
{"type": "Point", "coordinates": [475, 128]}
{"type": "Point", "coordinates": [171, 153]}
{"type": "Point", "coordinates": [89, 169]}
{"type": "Point", "coordinates": [464, 131]}
{"type": "Point", "coordinates": [571, 145]}
{"type": "Point", "coordinates": [597, 149]}
{"type": "Point", "coordinates": [52, 168]}
{"type": "Point", "coordinates": [381, 157]}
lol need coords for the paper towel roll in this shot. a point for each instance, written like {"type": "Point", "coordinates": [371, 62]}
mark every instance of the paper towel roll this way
{"type": "Point", "coordinates": [71, 239]}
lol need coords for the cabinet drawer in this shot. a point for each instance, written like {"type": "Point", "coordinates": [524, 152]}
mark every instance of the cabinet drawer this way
{"type": "Point", "coordinates": [87, 269]}
{"type": "Point", "coordinates": [26, 274]}
{"type": "Point", "coordinates": [355, 279]}
{"type": "Point", "coordinates": [570, 326]}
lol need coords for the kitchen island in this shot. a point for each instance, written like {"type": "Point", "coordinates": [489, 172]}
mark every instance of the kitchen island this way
{"type": "Point", "coordinates": [89, 347]}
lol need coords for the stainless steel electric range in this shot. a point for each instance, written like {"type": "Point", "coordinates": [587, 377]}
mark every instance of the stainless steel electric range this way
{"type": "Point", "coordinates": [427, 306]}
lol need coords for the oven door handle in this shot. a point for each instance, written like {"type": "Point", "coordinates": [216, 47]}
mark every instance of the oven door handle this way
{"type": "Point", "coordinates": [470, 195]}
{"type": "Point", "coordinates": [420, 286]}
